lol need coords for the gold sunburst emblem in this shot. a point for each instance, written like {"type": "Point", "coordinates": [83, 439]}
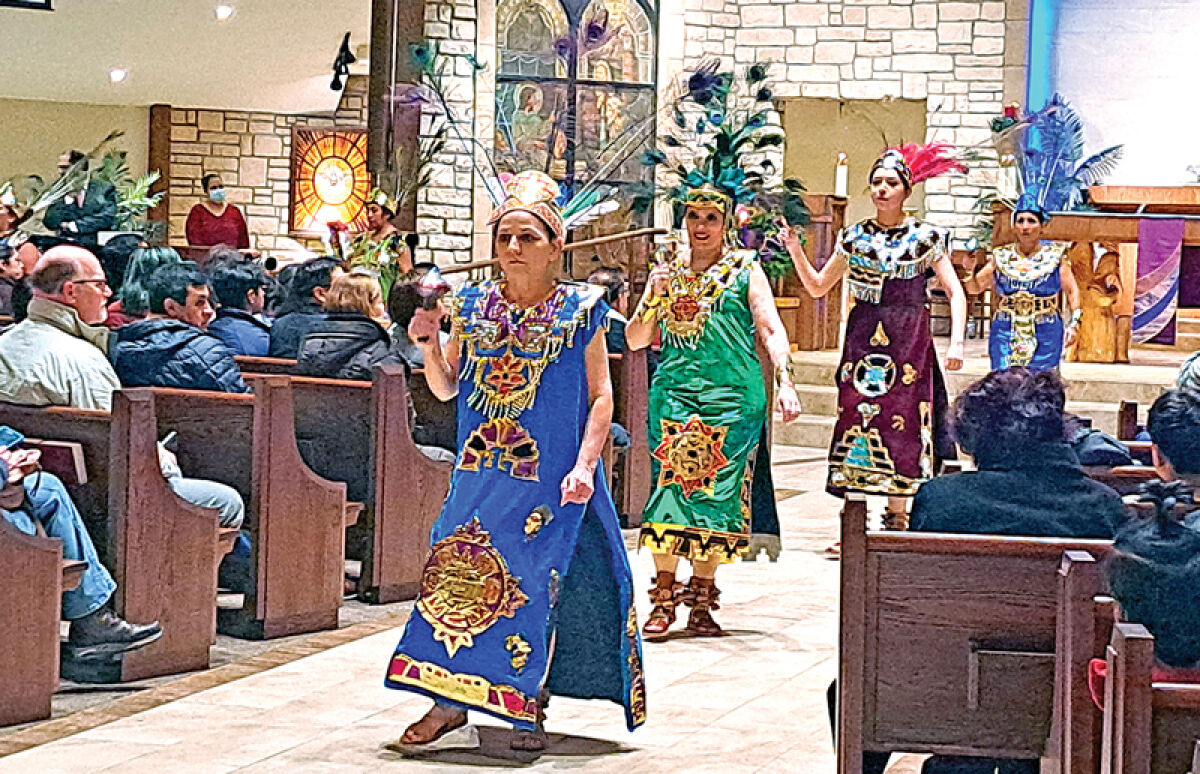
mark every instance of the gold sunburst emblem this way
{"type": "Point", "coordinates": [691, 456]}
{"type": "Point", "coordinates": [466, 588]}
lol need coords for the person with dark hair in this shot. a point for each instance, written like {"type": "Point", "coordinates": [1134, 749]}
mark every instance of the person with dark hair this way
{"type": "Point", "coordinates": [11, 216]}
{"type": "Point", "coordinates": [133, 300]}
{"type": "Point", "coordinates": [403, 302]}
{"type": "Point", "coordinates": [12, 271]}
{"type": "Point", "coordinates": [81, 215]}
{"type": "Point", "coordinates": [1028, 481]}
{"type": "Point", "coordinates": [1154, 573]}
{"type": "Point", "coordinates": [349, 340]}
{"type": "Point", "coordinates": [171, 347]}
{"type": "Point", "coordinates": [213, 220]}
{"type": "Point", "coordinates": [116, 255]}
{"type": "Point", "coordinates": [309, 287]}
{"type": "Point", "coordinates": [381, 243]}
{"type": "Point", "coordinates": [616, 295]}
{"type": "Point", "coordinates": [241, 290]}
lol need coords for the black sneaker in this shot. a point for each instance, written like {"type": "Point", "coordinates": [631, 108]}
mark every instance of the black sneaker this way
{"type": "Point", "coordinates": [104, 633]}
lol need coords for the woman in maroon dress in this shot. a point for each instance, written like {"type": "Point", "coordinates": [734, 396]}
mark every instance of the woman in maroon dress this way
{"type": "Point", "coordinates": [213, 221]}
{"type": "Point", "coordinates": [891, 395]}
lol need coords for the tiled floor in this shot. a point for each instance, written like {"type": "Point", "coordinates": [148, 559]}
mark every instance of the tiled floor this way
{"type": "Point", "coordinates": [752, 701]}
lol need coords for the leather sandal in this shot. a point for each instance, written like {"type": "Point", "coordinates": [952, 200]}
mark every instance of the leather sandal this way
{"type": "Point", "coordinates": [664, 596]}
{"type": "Point", "coordinates": [701, 595]}
{"type": "Point", "coordinates": [895, 521]}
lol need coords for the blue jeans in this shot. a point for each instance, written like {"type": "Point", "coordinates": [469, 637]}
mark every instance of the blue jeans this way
{"type": "Point", "coordinates": [47, 503]}
{"type": "Point", "coordinates": [211, 494]}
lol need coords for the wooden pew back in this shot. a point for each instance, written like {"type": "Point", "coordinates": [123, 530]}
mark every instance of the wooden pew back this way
{"type": "Point", "coordinates": [1148, 727]}
{"type": "Point", "coordinates": [30, 606]}
{"type": "Point", "coordinates": [946, 641]}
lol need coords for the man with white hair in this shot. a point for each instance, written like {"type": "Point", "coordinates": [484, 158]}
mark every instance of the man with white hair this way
{"type": "Point", "coordinates": [58, 356]}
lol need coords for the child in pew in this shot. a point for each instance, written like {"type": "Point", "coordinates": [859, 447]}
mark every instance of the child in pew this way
{"type": "Point", "coordinates": [1154, 574]}
{"type": "Point", "coordinates": [29, 498]}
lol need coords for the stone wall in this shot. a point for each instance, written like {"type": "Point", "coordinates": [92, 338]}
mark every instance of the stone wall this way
{"type": "Point", "coordinates": [252, 153]}
{"type": "Point", "coordinates": [965, 59]}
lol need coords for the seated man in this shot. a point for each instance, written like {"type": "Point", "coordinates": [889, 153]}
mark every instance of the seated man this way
{"type": "Point", "coordinates": [82, 214]}
{"type": "Point", "coordinates": [56, 357]}
{"type": "Point", "coordinates": [241, 290]}
{"type": "Point", "coordinates": [171, 348]}
{"type": "Point", "coordinates": [29, 498]}
{"type": "Point", "coordinates": [1028, 481]}
{"type": "Point", "coordinates": [305, 307]}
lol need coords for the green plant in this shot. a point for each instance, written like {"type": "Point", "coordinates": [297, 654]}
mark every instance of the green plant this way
{"type": "Point", "coordinates": [134, 199]}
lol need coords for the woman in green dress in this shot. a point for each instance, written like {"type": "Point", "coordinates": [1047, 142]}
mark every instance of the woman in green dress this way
{"type": "Point", "coordinates": [707, 407]}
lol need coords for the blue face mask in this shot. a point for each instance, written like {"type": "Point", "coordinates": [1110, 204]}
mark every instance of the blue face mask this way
{"type": "Point", "coordinates": [217, 195]}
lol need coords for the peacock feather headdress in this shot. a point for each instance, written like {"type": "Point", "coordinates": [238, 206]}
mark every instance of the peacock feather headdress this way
{"type": "Point", "coordinates": [714, 153]}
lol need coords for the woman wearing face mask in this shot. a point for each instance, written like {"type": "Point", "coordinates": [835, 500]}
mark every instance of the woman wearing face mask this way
{"type": "Point", "coordinates": [1028, 277]}
{"type": "Point", "coordinates": [527, 590]}
{"type": "Point", "coordinates": [891, 395]}
{"type": "Point", "coordinates": [213, 221]}
{"type": "Point", "coordinates": [21, 250]}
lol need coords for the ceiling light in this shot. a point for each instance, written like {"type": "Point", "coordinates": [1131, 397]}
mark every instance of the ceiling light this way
{"type": "Point", "coordinates": [118, 74]}
{"type": "Point", "coordinates": [224, 12]}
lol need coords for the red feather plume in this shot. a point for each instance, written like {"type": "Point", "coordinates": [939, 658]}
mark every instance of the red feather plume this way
{"type": "Point", "coordinates": [931, 160]}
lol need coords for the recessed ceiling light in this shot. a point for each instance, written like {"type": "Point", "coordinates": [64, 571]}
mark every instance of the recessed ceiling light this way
{"type": "Point", "coordinates": [224, 12]}
{"type": "Point", "coordinates": [118, 74]}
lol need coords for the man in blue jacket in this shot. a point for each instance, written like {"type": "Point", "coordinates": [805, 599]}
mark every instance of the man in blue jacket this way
{"type": "Point", "coordinates": [241, 290]}
{"type": "Point", "coordinates": [171, 347]}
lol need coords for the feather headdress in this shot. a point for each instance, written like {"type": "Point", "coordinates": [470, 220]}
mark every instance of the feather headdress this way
{"type": "Point", "coordinates": [713, 154]}
{"type": "Point", "coordinates": [1052, 167]}
{"type": "Point", "coordinates": [916, 163]}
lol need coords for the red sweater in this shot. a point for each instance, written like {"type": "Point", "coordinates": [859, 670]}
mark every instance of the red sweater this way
{"type": "Point", "coordinates": [204, 229]}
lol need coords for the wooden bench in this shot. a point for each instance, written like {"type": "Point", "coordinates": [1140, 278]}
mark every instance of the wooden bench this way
{"type": "Point", "coordinates": [946, 641]}
{"type": "Point", "coordinates": [162, 551]}
{"type": "Point", "coordinates": [296, 518]}
{"type": "Point", "coordinates": [1148, 727]}
{"type": "Point", "coordinates": [1125, 479]}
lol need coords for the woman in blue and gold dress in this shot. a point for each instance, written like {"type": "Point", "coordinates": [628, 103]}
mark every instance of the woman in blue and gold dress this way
{"type": "Point", "coordinates": [527, 592]}
{"type": "Point", "coordinates": [1028, 277]}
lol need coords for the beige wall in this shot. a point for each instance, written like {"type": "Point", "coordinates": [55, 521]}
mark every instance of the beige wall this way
{"type": "Point", "coordinates": [33, 134]}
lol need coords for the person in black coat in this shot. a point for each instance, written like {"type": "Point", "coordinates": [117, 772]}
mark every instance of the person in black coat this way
{"type": "Point", "coordinates": [170, 348]}
{"type": "Point", "coordinates": [305, 307]}
{"type": "Point", "coordinates": [81, 215]}
{"type": "Point", "coordinates": [1028, 481]}
{"type": "Point", "coordinates": [240, 285]}
{"type": "Point", "coordinates": [347, 341]}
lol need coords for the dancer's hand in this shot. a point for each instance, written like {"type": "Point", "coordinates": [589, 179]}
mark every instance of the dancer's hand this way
{"type": "Point", "coordinates": [954, 356]}
{"type": "Point", "coordinates": [1071, 336]}
{"type": "Point", "coordinates": [659, 279]}
{"type": "Point", "coordinates": [788, 403]}
{"type": "Point", "coordinates": [577, 486]}
{"type": "Point", "coordinates": [425, 325]}
{"type": "Point", "coordinates": [791, 240]}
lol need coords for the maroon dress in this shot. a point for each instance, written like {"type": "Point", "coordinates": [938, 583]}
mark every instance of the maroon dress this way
{"type": "Point", "coordinates": [203, 229]}
{"type": "Point", "coordinates": [891, 395]}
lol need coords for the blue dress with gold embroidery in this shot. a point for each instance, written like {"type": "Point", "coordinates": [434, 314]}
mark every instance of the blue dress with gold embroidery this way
{"type": "Point", "coordinates": [520, 593]}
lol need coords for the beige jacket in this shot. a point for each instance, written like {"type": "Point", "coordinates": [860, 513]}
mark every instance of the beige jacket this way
{"type": "Point", "coordinates": [55, 359]}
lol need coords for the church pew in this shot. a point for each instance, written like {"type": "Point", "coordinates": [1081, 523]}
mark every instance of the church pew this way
{"type": "Point", "coordinates": [1125, 479]}
{"type": "Point", "coordinates": [295, 517]}
{"type": "Point", "coordinates": [162, 551]}
{"type": "Point", "coordinates": [31, 586]}
{"type": "Point", "coordinates": [946, 641]}
{"type": "Point", "coordinates": [1083, 627]}
{"type": "Point", "coordinates": [1148, 727]}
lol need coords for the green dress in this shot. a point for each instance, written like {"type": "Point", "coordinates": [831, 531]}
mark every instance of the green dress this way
{"type": "Point", "coordinates": [707, 408]}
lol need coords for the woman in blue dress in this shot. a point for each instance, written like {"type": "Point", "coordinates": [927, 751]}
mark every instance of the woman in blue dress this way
{"type": "Point", "coordinates": [527, 591]}
{"type": "Point", "coordinates": [1028, 278]}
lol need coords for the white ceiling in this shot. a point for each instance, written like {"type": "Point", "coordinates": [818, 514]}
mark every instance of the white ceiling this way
{"type": "Point", "coordinates": [273, 55]}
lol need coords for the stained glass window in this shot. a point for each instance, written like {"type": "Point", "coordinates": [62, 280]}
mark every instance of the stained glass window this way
{"type": "Point", "coordinates": [575, 82]}
{"type": "Point", "coordinates": [330, 181]}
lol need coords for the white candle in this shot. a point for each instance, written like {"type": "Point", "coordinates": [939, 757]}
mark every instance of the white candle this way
{"type": "Point", "coordinates": [841, 175]}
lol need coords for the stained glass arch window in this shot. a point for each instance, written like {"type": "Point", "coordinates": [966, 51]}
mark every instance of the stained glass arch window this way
{"type": "Point", "coordinates": [330, 181]}
{"type": "Point", "coordinates": [575, 76]}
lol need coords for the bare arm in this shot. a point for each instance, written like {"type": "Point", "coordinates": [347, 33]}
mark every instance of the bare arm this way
{"type": "Point", "coordinates": [817, 283]}
{"type": "Point", "coordinates": [441, 366]}
{"type": "Point", "coordinates": [578, 485]}
{"type": "Point", "coordinates": [982, 279]}
{"type": "Point", "coordinates": [639, 332]}
{"type": "Point", "coordinates": [774, 338]}
{"type": "Point", "coordinates": [1070, 288]}
{"type": "Point", "coordinates": [958, 310]}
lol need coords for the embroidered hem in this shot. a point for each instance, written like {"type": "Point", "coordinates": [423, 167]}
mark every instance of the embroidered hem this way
{"type": "Point", "coordinates": [873, 481]}
{"type": "Point", "coordinates": [693, 543]}
{"type": "Point", "coordinates": [475, 691]}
